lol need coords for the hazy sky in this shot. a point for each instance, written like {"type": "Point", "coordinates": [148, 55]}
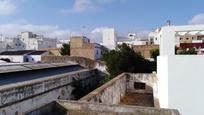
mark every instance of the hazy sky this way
{"type": "Point", "coordinates": [59, 18]}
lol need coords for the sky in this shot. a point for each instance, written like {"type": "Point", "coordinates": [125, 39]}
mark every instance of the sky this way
{"type": "Point", "coordinates": [63, 18]}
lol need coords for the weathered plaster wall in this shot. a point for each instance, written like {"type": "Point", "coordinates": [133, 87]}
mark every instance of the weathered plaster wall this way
{"type": "Point", "coordinates": [109, 93]}
{"type": "Point", "coordinates": [114, 90]}
{"type": "Point", "coordinates": [81, 108]}
{"type": "Point", "coordinates": [151, 84]}
{"type": "Point", "coordinates": [23, 97]}
{"type": "Point", "coordinates": [85, 62]}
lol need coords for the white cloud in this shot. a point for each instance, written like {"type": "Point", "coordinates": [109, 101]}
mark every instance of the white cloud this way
{"type": "Point", "coordinates": [83, 5]}
{"type": "Point", "coordinates": [96, 34]}
{"type": "Point", "coordinates": [88, 5]}
{"type": "Point", "coordinates": [14, 29]}
{"type": "Point", "coordinates": [11, 30]}
{"type": "Point", "coordinates": [109, 1]}
{"type": "Point", "coordinates": [80, 6]}
{"type": "Point", "coordinates": [98, 30]}
{"type": "Point", "coordinates": [197, 19]}
{"type": "Point", "coordinates": [7, 7]}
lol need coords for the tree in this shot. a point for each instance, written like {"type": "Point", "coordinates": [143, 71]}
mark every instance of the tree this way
{"type": "Point", "coordinates": [191, 51]}
{"type": "Point", "coordinates": [124, 59]}
{"type": "Point", "coordinates": [65, 50]}
{"type": "Point", "coordinates": [154, 53]}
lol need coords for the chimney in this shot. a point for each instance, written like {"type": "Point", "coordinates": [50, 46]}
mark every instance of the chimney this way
{"type": "Point", "coordinates": [168, 23]}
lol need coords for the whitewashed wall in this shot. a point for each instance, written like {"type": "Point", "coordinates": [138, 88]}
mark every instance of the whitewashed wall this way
{"type": "Point", "coordinates": [14, 58]}
{"type": "Point", "coordinates": [182, 76]}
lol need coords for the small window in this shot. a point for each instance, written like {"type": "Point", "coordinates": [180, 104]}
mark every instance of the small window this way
{"type": "Point", "coordinates": [181, 38]}
{"type": "Point", "coordinates": [187, 38]}
{"type": "Point", "coordinates": [138, 85]}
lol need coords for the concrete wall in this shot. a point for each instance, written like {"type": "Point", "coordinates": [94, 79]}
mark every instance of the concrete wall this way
{"type": "Point", "coordinates": [109, 93]}
{"type": "Point", "coordinates": [181, 83]}
{"type": "Point", "coordinates": [85, 62]}
{"type": "Point", "coordinates": [109, 38]}
{"type": "Point", "coordinates": [83, 52]}
{"type": "Point", "coordinates": [180, 79]}
{"type": "Point", "coordinates": [114, 90]}
{"type": "Point", "coordinates": [14, 58]}
{"type": "Point", "coordinates": [150, 81]}
{"type": "Point", "coordinates": [81, 108]}
{"type": "Point", "coordinates": [25, 96]}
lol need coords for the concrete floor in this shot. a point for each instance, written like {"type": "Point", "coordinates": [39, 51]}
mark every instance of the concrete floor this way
{"type": "Point", "coordinates": [138, 99]}
{"type": "Point", "coordinates": [15, 77]}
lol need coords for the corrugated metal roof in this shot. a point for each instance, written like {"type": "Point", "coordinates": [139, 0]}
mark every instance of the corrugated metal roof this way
{"type": "Point", "coordinates": [20, 52]}
{"type": "Point", "coordinates": [26, 67]}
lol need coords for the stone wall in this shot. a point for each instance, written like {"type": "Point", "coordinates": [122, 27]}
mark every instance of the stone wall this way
{"type": "Point", "coordinates": [22, 97]}
{"type": "Point", "coordinates": [85, 62]}
{"type": "Point", "coordinates": [82, 108]}
{"type": "Point", "coordinates": [83, 52]}
{"type": "Point", "coordinates": [114, 90]}
{"type": "Point", "coordinates": [109, 93]}
{"type": "Point", "coordinates": [145, 49]}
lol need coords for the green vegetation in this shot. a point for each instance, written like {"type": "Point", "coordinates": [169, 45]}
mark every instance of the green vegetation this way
{"type": "Point", "coordinates": [191, 51]}
{"type": "Point", "coordinates": [124, 59]}
{"type": "Point", "coordinates": [154, 53]}
{"type": "Point", "coordinates": [65, 50]}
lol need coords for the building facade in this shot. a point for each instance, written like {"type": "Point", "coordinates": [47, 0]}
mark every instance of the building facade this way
{"type": "Point", "coordinates": [80, 46]}
{"type": "Point", "coordinates": [180, 77]}
{"type": "Point", "coordinates": [182, 36]}
{"type": "Point", "coordinates": [30, 41]}
{"type": "Point", "coordinates": [26, 41]}
{"type": "Point", "coordinates": [144, 50]}
{"type": "Point", "coordinates": [109, 38]}
{"type": "Point", "coordinates": [23, 56]}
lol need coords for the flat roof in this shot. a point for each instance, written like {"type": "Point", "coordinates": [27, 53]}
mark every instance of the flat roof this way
{"type": "Point", "coordinates": [19, 52]}
{"type": "Point", "coordinates": [37, 52]}
{"type": "Point", "coordinates": [31, 66]}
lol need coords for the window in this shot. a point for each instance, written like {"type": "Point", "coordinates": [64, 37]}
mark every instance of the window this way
{"type": "Point", "coordinates": [138, 85]}
{"type": "Point", "coordinates": [181, 38]}
{"type": "Point", "coordinates": [187, 38]}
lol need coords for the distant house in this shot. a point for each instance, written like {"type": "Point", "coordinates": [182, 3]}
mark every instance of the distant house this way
{"type": "Point", "coordinates": [52, 51]}
{"type": "Point", "coordinates": [144, 50]}
{"type": "Point", "coordinates": [80, 46]}
{"type": "Point", "coordinates": [23, 55]}
{"type": "Point", "coordinates": [36, 56]}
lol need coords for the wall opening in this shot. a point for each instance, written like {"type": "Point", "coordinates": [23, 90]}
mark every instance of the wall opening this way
{"type": "Point", "coordinates": [139, 86]}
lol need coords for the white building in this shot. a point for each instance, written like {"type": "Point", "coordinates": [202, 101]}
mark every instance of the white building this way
{"type": "Point", "coordinates": [131, 39]}
{"type": "Point", "coordinates": [36, 56]}
{"type": "Point", "coordinates": [155, 36]}
{"type": "Point", "coordinates": [109, 38]}
{"type": "Point", "coordinates": [30, 41]}
{"type": "Point", "coordinates": [26, 41]}
{"type": "Point", "coordinates": [180, 77]}
{"type": "Point", "coordinates": [23, 56]}
{"type": "Point", "coordinates": [181, 36]}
